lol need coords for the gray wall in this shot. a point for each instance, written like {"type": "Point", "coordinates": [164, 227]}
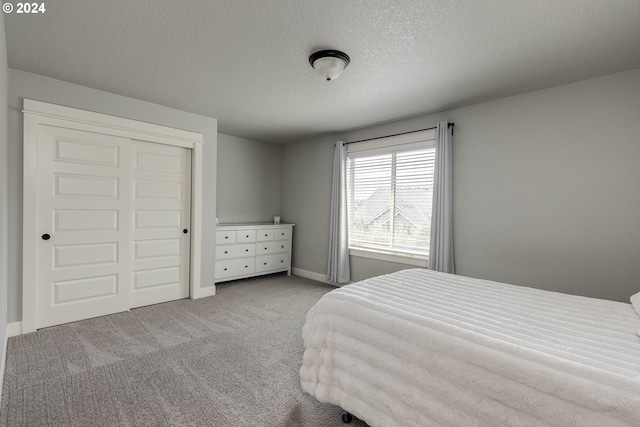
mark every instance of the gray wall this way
{"type": "Point", "coordinates": [25, 85]}
{"type": "Point", "coordinates": [547, 189]}
{"type": "Point", "coordinates": [248, 180]}
{"type": "Point", "coordinates": [4, 71]}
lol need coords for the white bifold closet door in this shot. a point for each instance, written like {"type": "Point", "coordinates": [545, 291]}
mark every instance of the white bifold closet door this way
{"type": "Point", "coordinates": [111, 214]}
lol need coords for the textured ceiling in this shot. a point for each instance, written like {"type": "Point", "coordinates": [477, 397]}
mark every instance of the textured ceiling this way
{"type": "Point", "coordinates": [246, 62]}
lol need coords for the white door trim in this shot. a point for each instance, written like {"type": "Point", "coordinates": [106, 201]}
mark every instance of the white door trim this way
{"type": "Point", "coordinates": [37, 113]}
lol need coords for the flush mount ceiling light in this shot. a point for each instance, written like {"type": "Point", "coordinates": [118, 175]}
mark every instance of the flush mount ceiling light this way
{"type": "Point", "coordinates": [329, 63]}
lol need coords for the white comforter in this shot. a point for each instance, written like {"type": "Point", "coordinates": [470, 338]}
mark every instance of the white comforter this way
{"type": "Point", "coordinates": [420, 348]}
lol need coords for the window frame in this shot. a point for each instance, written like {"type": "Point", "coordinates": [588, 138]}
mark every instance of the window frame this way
{"type": "Point", "coordinates": [421, 139]}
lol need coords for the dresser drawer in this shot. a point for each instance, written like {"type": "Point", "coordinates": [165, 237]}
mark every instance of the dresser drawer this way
{"type": "Point", "coordinates": [246, 236]}
{"type": "Point", "coordinates": [264, 235]}
{"type": "Point", "coordinates": [234, 267]}
{"type": "Point", "coordinates": [225, 236]}
{"type": "Point", "coordinates": [272, 262]}
{"type": "Point", "coordinates": [235, 251]}
{"type": "Point", "coordinates": [282, 234]}
{"type": "Point", "coordinates": [272, 247]}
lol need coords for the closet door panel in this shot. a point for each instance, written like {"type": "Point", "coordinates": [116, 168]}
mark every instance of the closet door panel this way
{"type": "Point", "coordinates": [83, 266]}
{"type": "Point", "coordinates": [161, 198]}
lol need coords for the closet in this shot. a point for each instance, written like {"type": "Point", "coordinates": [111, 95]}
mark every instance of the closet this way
{"type": "Point", "coordinates": [108, 209]}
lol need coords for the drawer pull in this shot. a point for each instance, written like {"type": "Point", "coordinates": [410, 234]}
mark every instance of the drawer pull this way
{"type": "Point", "coordinates": [266, 235]}
{"type": "Point", "coordinates": [225, 269]}
{"type": "Point", "coordinates": [265, 249]}
{"type": "Point", "coordinates": [281, 260]}
{"type": "Point", "coordinates": [246, 250]}
{"type": "Point", "coordinates": [282, 246]}
{"type": "Point", "coordinates": [226, 252]}
{"type": "Point", "coordinates": [247, 236]}
{"type": "Point", "coordinates": [226, 237]}
{"type": "Point", "coordinates": [265, 263]}
{"type": "Point", "coordinates": [246, 266]}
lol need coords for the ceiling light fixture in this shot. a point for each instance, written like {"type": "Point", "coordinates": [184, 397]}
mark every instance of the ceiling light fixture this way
{"type": "Point", "coordinates": [329, 63]}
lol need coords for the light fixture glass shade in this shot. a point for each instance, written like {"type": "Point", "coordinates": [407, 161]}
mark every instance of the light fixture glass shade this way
{"type": "Point", "coordinates": [329, 63]}
{"type": "Point", "coordinates": [329, 68]}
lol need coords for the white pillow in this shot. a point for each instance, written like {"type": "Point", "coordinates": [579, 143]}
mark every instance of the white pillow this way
{"type": "Point", "coordinates": [635, 301]}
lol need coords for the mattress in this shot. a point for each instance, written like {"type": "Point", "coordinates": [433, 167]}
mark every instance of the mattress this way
{"type": "Point", "coordinates": [421, 348]}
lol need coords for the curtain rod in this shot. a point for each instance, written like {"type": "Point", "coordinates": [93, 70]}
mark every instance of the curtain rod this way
{"type": "Point", "coordinates": [401, 133]}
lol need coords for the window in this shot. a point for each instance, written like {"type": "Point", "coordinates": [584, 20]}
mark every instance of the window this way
{"type": "Point", "coordinates": [389, 192]}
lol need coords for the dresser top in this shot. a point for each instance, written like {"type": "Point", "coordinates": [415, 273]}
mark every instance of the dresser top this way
{"type": "Point", "coordinates": [254, 225]}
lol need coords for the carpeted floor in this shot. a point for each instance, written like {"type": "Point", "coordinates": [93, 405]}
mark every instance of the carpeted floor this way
{"type": "Point", "coordinates": [227, 360]}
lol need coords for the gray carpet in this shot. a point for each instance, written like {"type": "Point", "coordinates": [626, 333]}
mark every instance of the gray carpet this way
{"type": "Point", "coordinates": [228, 360]}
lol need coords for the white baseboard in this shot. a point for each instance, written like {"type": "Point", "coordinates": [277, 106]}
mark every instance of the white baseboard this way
{"type": "Point", "coordinates": [313, 276]}
{"type": "Point", "coordinates": [207, 291]}
{"type": "Point", "coordinates": [14, 329]}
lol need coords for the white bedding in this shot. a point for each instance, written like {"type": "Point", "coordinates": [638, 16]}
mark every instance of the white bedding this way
{"type": "Point", "coordinates": [420, 348]}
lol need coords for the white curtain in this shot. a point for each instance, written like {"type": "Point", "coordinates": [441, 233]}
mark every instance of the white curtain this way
{"type": "Point", "coordinates": [441, 244]}
{"type": "Point", "coordinates": [338, 269]}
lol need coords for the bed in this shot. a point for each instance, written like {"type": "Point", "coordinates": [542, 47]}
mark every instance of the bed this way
{"type": "Point", "coordinates": [421, 348]}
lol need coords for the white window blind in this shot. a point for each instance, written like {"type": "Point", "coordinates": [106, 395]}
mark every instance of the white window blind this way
{"type": "Point", "coordinates": [390, 191]}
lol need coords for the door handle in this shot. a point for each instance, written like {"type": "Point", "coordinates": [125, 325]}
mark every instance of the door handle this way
{"type": "Point", "coordinates": [185, 231]}
{"type": "Point", "coordinates": [45, 237]}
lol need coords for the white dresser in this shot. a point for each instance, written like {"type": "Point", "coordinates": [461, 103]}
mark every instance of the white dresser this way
{"type": "Point", "coordinates": [246, 250]}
